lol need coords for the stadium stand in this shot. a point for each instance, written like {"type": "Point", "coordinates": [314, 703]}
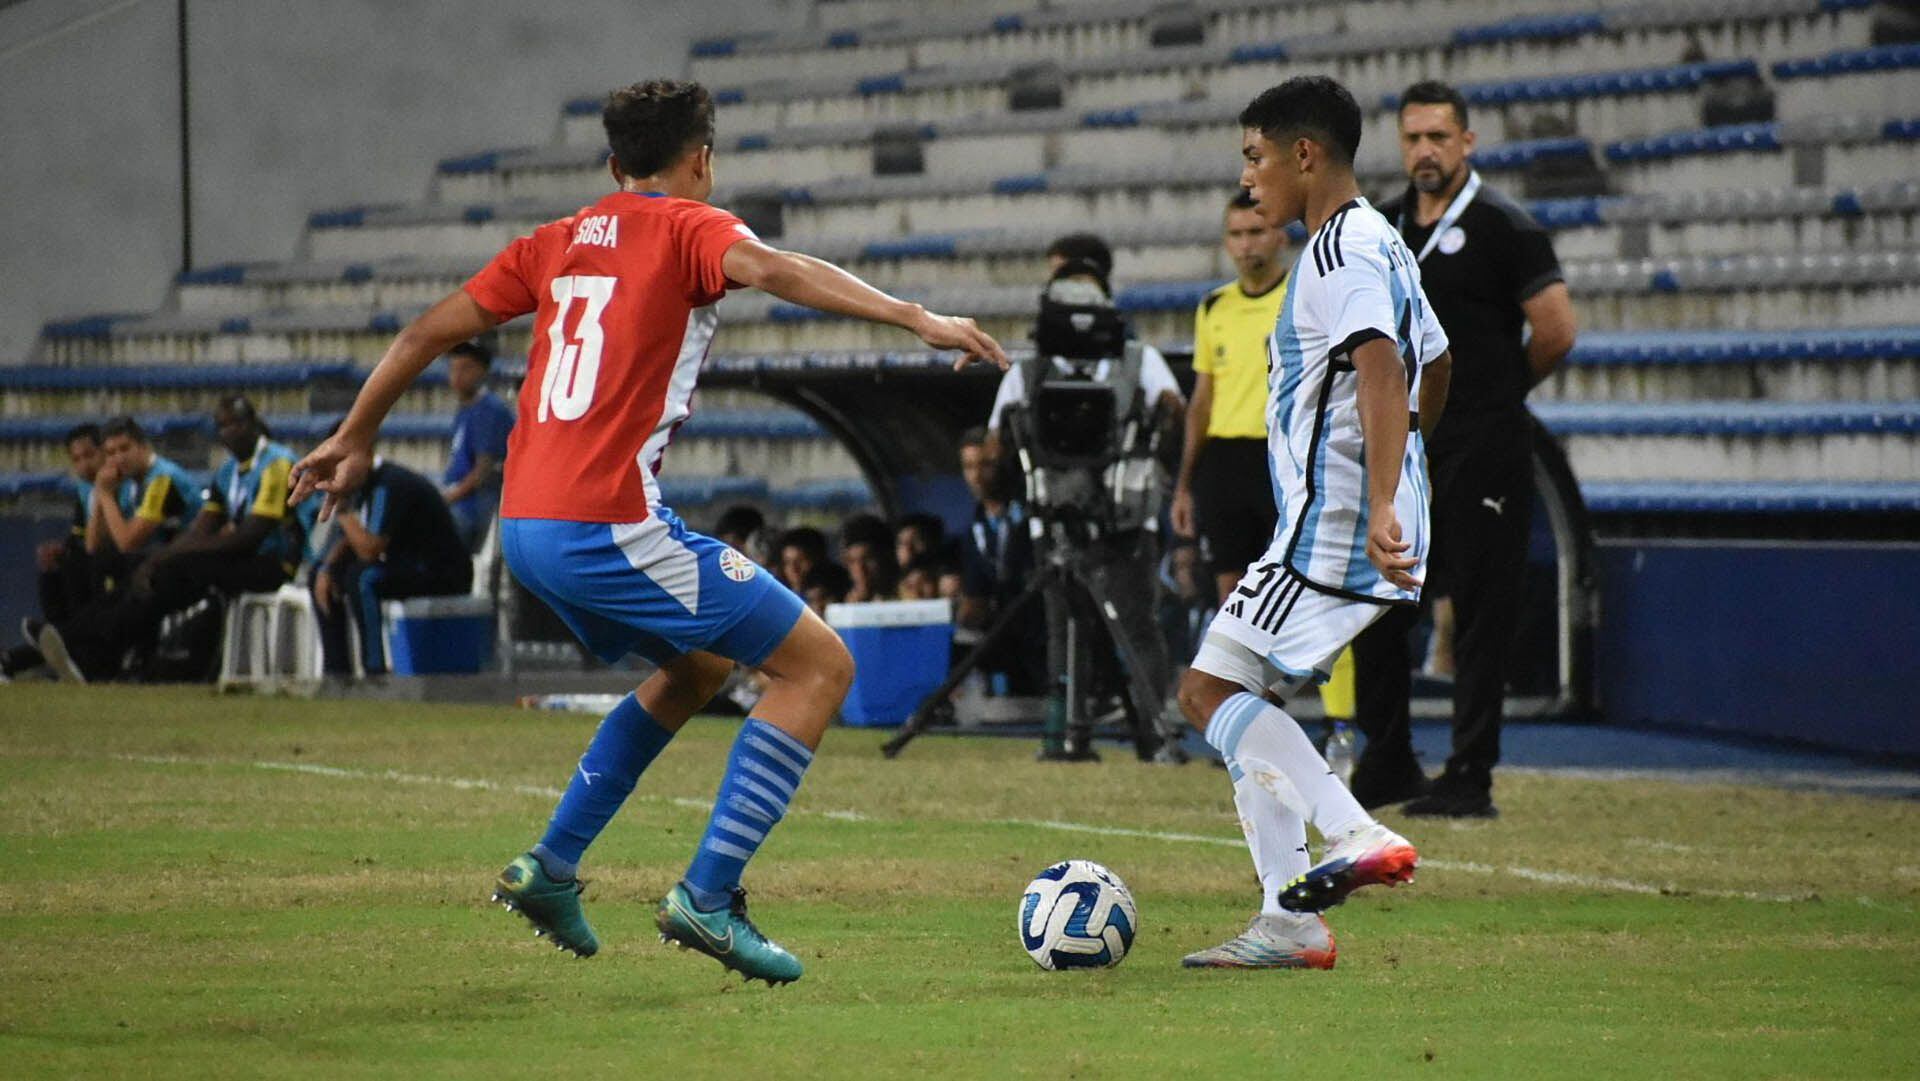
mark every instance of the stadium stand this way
{"type": "Point", "coordinates": [1730, 184]}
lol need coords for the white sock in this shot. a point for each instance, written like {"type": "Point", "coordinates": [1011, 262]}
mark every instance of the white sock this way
{"type": "Point", "coordinates": [1275, 835]}
{"type": "Point", "coordinates": [1277, 755]}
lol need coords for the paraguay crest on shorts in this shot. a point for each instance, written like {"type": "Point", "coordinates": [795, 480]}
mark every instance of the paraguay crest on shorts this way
{"type": "Point", "coordinates": [736, 566]}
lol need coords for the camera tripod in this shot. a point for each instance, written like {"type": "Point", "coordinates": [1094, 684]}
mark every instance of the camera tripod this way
{"type": "Point", "coordinates": [1099, 577]}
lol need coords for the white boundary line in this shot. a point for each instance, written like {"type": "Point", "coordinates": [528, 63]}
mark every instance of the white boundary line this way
{"type": "Point", "coordinates": [1529, 874]}
{"type": "Point", "coordinates": [1864, 782]}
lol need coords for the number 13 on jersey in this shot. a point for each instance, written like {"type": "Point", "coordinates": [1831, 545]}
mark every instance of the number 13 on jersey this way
{"type": "Point", "coordinates": [574, 365]}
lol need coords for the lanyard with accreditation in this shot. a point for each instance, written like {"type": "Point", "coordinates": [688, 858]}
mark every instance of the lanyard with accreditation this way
{"type": "Point", "coordinates": [1447, 220]}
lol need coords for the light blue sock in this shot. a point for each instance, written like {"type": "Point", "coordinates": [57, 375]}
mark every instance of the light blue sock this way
{"type": "Point", "coordinates": [628, 741]}
{"type": "Point", "coordinates": [763, 771]}
{"type": "Point", "coordinates": [1265, 743]}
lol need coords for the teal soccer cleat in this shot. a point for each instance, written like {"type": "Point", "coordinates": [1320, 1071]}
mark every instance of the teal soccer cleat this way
{"type": "Point", "coordinates": [726, 935]}
{"type": "Point", "coordinates": [552, 907]}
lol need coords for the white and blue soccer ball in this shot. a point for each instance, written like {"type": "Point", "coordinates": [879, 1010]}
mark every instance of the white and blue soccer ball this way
{"type": "Point", "coordinates": [1077, 914]}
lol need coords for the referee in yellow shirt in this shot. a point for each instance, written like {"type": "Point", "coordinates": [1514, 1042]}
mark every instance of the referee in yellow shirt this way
{"type": "Point", "coordinates": [1223, 495]}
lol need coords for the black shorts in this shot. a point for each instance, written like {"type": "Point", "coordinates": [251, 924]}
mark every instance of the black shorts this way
{"type": "Point", "coordinates": [1233, 503]}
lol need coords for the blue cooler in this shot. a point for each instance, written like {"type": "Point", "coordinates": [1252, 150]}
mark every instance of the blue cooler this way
{"type": "Point", "coordinates": [900, 652]}
{"type": "Point", "coordinates": [438, 635]}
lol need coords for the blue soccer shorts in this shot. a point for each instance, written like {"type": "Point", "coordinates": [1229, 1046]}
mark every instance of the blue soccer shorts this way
{"type": "Point", "coordinates": [655, 588]}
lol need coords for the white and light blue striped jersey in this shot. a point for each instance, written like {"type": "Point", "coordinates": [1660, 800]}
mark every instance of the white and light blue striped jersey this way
{"type": "Point", "coordinates": [1354, 281]}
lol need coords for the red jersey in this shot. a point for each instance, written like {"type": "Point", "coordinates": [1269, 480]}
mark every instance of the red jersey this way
{"type": "Point", "coordinates": [623, 295]}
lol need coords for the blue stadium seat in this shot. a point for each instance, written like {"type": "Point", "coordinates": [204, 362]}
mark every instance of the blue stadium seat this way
{"type": "Point", "coordinates": [14, 486]}
{"type": "Point", "coordinates": [1719, 140]}
{"type": "Point", "coordinates": [1849, 61]}
{"type": "Point", "coordinates": [839, 494]}
{"type": "Point", "coordinates": [1721, 347]}
{"type": "Point", "coordinates": [1668, 79]}
{"type": "Point", "coordinates": [1778, 497]}
{"type": "Point", "coordinates": [174, 376]}
{"type": "Point", "coordinates": [1531, 28]}
{"type": "Point", "coordinates": [1729, 418]}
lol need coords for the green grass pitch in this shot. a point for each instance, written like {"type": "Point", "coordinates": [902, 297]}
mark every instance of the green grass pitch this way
{"type": "Point", "coordinates": [205, 887]}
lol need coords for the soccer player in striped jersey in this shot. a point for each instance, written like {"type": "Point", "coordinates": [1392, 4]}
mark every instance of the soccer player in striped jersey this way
{"type": "Point", "coordinates": [622, 294]}
{"type": "Point", "coordinates": [1357, 365]}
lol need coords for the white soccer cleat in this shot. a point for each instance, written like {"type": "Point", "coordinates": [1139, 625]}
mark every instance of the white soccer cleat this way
{"type": "Point", "coordinates": [1372, 855]}
{"type": "Point", "coordinates": [53, 649]}
{"type": "Point", "coordinates": [1284, 941]}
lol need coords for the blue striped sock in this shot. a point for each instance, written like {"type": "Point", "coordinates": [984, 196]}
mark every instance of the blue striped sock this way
{"type": "Point", "coordinates": [626, 743]}
{"type": "Point", "coordinates": [763, 771]}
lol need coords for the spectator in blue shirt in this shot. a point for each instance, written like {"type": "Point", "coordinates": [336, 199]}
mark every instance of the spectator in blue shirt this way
{"type": "Point", "coordinates": [996, 560]}
{"type": "Point", "coordinates": [67, 577]}
{"type": "Point", "coordinates": [396, 541]}
{"type": "Point", "coordinates": [480, 429]}
{"type": "Point", "coordinates": [67, 580]}
{"type": "Point", "coordinates": [246, 539]}
{"type": "Point", "coordinates": [141, 498]}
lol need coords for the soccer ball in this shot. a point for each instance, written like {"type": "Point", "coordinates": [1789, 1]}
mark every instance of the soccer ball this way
{"type": "Point", "coordinates": [1077, 914]}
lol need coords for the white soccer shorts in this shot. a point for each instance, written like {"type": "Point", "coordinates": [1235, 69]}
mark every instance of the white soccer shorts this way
{"type": "Point", "coordinates": [1277, 633]}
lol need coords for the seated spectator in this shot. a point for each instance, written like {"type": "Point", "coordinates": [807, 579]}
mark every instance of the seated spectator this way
{"type": "Point", "coordinates": [921, 580]}
{"type": "Point", "coordinates": [67, 579]}
{"type": "Point", "coordinates": [480, 430]}
{"type": "Point", "coordinates": [397, 540]}
{"type": "Point", "coordinates": [916, 535]}
{"type": "Point", "coordinates": [866, 549]}
{"type": "Point", "coordinates": [246, 539]}
{"type": "Point", "coordinates": [825, 584]}
{"type": "Point", "coordinates": [141, 499]}
{"type": "Point", "coordinates": [799, 552]}
{"type": "Point", "coordinates": [66, 576]}
{"type": "Point", "coordinates": [996, 562]}
{"type": "Point", "coordinates": [743, 528]}
{"type": "Point", "coordinates": [1186, 603]}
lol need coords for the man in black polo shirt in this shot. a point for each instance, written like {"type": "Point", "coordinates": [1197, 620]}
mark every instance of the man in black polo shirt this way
{"type": "Point", "coordinates": [398, 541]}
{"type": "Point", "coordinates": [1491, 274]}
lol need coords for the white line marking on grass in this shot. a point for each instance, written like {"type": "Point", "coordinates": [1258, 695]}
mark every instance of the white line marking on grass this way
{"type": "Point", "coordinates": [1530, 874]}
{"type": "Point", "coordinates": [1865, 781]}
{"type": "Point", "coordinates": [1555, 878]}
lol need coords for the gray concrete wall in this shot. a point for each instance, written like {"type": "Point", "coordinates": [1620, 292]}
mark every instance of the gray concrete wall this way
{"type": "Point", "coordinates": [296, 105]}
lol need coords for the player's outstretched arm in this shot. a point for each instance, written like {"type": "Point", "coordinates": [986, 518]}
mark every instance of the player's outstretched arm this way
{"type": "Point", "coordinates": [815, 283]}
{"type": "Point", "coordinates": [1382, 400]}
{"type": "Point", "coordinates": [340, 463]}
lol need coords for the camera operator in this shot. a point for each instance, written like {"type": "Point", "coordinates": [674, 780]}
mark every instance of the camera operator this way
{"type": "Point", "coordinates": [1093, 492]}
{"type": "Point", "coordinates": [1081, 284]}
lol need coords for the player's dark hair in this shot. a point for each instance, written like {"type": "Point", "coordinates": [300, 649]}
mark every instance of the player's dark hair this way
{"type": "Point", "coordinates": [1310, 106]}
{"type": "Point", "coordinates": [88, 432]}
{"type": "Point", "coordinates": [126, 426]}
{"type": "Point", "coordinates": [1435, 92]}
{"type": "Point", "coordinates": [475, 352]}
{"type": "Point", "coordinates": [973, 437]}
{"type": "Point", "coordinates": [1241, 199]}
{"type": "Point", "coordinates": [649, 125]}
{"type": "Point", "coordinates": [1085, 248]}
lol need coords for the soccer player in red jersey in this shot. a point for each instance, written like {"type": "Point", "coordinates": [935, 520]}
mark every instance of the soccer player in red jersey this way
{"type": "Point", "coordinates": [622, 294]}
